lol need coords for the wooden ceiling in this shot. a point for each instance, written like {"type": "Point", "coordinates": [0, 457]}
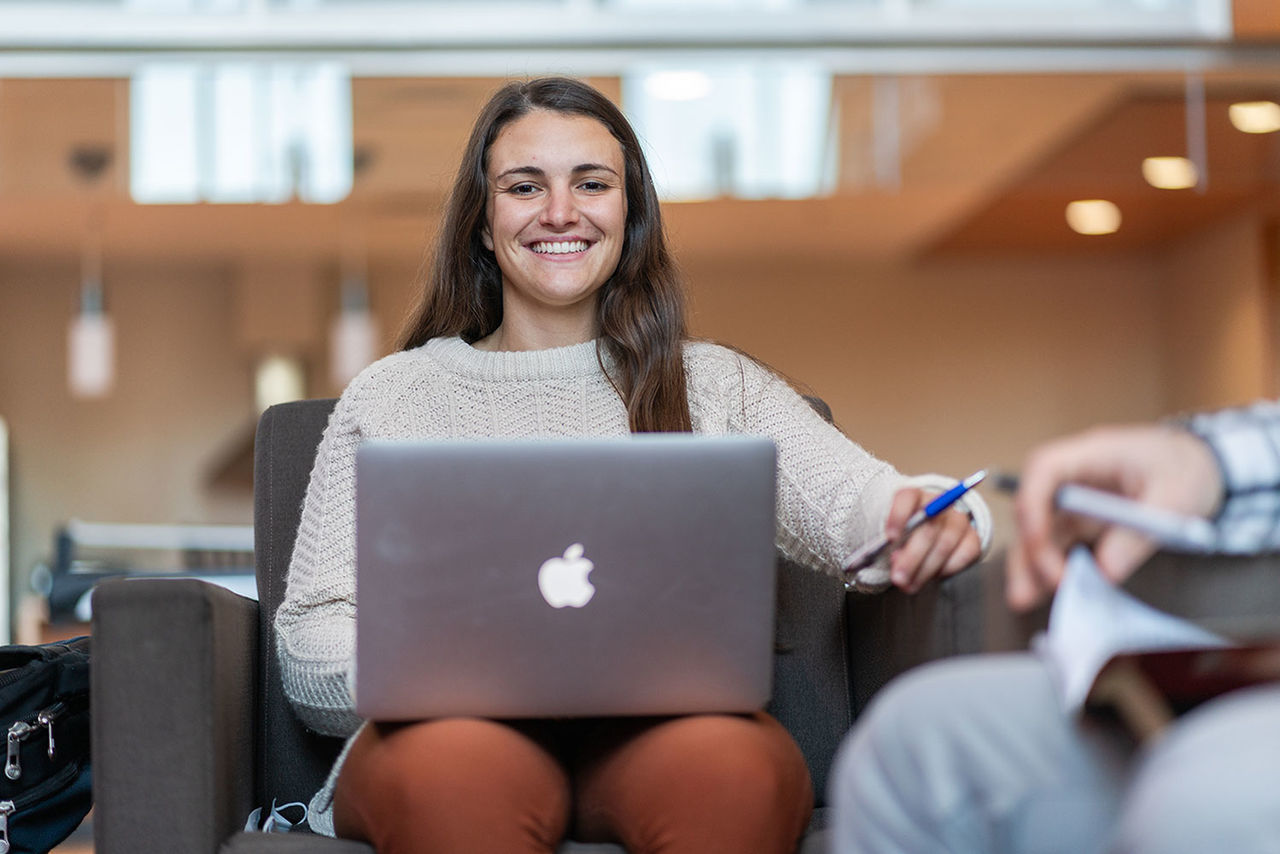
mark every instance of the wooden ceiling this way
{"type": "Point", "coordinates": [982, 162]}
{"type": "Point", "coordinates": [1104, 160]}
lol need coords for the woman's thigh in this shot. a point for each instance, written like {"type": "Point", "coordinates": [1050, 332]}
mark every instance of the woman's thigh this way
{"type": "Point", "coordinates": [455, 784]}
{"type": "Point", "coordinates": [700, 783]}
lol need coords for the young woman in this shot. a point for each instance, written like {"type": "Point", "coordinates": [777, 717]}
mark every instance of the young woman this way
{"type": "Point", "coordinates": [553, 308]}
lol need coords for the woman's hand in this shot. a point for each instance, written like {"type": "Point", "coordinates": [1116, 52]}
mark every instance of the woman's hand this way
{"type": "Point", "coordinates": [942, 546]}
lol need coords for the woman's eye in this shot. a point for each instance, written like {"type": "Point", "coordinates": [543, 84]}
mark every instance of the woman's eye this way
{"type": "Point", "coordinates": [594, 186]}
{"type": "Point", "coordinates": [522, 189]}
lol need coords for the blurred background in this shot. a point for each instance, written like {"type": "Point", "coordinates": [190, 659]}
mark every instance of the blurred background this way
{"type": "Point", "coordinates": [969, 225]}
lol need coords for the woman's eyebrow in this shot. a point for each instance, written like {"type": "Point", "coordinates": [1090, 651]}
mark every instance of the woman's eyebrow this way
{"type": "Point", "coordinates": [594, 167]}
{"type": "Point", "coordinates": [537, 172]}
{"type": "Point", "coordinates": [531, 171]}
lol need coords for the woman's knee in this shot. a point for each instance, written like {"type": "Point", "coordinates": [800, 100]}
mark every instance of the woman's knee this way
{"type": "Point", "coordinates": [702, 780]}
{"type": "Point", "coordinates": [452, 775]}
{"type": "Point", "coordinates": [751, 760]}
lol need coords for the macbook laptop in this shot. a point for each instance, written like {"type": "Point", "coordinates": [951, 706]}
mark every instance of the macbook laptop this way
{"type": "Point", "coordinates": [567, 577]}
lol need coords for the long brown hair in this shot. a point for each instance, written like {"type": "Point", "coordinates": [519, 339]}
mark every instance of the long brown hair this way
{"type": "Point", "coordinates": [641, 308]}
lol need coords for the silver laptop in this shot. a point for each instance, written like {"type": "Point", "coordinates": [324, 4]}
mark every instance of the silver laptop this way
{"type": "Point", "coordinates": [580, 577]}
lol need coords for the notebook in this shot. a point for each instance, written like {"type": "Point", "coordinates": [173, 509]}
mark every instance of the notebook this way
{"type": "Point", "coordinates": [566, 577]}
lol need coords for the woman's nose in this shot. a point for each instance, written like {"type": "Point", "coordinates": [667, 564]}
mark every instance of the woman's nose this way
{"type": "Point", "coordinates": [561, 208]}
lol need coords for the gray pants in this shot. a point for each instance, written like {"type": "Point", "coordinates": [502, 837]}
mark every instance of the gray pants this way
{"type": "Point", "coordinates": [974, 755]}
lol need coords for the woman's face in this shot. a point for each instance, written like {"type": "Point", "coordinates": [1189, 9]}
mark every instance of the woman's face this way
{"type": "Point", "coordinates": [556, 213]}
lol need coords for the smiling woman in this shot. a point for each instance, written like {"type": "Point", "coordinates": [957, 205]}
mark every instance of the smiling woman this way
{"type": "Point", "coordinates": [556, 217]}
{"type": "Point", "coordinates": [640, 306]}
{"type": "Point", "coordinates": [552, 309]}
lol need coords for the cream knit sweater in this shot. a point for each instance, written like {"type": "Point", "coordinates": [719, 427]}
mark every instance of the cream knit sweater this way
{"type": "Point", "coordinates": [832, 494]}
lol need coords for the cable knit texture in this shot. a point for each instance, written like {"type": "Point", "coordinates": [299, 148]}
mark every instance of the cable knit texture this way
{"type": "Point", "coordinates": [832, 494]}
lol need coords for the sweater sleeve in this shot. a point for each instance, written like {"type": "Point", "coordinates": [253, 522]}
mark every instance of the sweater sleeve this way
{"type": "Point", "coordinates": [315, 624]}
{"type": "Point", "coordinates": [833, 494]}
{"type": "Point", "coordinates": [1246, 442]}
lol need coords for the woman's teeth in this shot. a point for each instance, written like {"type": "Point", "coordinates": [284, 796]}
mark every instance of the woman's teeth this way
{"type": "Point", "coordinates": [560, 248]}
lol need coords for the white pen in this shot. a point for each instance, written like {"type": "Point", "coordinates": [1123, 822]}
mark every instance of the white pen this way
{"type": "Point", "coordinates": [1166, 527]}
{"type": "Point", "coordinates": [866, 555]}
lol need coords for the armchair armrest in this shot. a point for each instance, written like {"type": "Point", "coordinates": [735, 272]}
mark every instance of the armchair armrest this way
{"type": "Point", "coordinates": [891, 632]}
{"type": "Point", "coordinates": [173, 682]}
{"type": "Point", "coordinates": [1235, 595]}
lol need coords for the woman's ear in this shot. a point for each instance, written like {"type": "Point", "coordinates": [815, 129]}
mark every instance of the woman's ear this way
{"type": "Point", "coordinates": [486, 238]}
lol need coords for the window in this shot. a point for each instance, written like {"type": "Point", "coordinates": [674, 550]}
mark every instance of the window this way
{"type": "Point", "coordinates": [759, 130]}
{"type": "Point", "coordinates": [240, 132]}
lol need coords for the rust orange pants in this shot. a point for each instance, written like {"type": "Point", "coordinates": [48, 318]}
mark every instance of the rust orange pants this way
{"type": "Point", "coordinates": [701, 783]}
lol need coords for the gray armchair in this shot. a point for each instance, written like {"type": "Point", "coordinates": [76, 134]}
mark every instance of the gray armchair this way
{"type": "Point", "coordinates": [191, 729]}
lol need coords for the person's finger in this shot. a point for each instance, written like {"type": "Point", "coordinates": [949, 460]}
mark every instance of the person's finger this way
{"type": "Point", "coordinates": [1023, 590]}
{"type": "Point", "coordinates": [967, 551]}
{"type": "Point", "coordinates": [907, 558]}
{"type": "Point", "coordinates": [943, 546]}
{"type": "Point", "coordinates": [1119, 551]}
{"type": "Point", "coordinates": [1034, 502]}
{"type": "Point", "coordinates": [904, 505]}
{"type": "Point", "coordinates": [1037, 525]}
{"type": "Point", "coordinates": [950, 528]}
{"type": "Point", "coordinates": [1046, 563]}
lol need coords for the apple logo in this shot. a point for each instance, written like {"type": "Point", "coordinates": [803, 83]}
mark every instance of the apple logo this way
{"type": "Point", "coordinates": [563, 580]}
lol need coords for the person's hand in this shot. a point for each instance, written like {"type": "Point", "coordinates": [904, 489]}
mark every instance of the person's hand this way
{"type": "Point", "coordinates": [942, 546]}
{"type": "Point", "coordinates": [1164, 466]}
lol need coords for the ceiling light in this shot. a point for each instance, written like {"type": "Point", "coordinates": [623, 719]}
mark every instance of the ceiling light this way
{"type": "Point", "coordinates": [678, 85]}
{"type": "Point", "coordinates": [1255, 116]}
{"type": "Point", "coordinates": [1170, 173]}
{"type": "Point", "coordinates": [1093, 216]}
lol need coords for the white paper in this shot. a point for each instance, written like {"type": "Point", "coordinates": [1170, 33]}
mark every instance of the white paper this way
{"type": "Point", "coordinates": [1092, 620]}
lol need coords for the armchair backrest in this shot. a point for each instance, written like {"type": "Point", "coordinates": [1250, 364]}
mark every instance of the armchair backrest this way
{"type": "Point", "coordinates": [293, 761]}
{"type": "Point", "coordinates": [811, 695]}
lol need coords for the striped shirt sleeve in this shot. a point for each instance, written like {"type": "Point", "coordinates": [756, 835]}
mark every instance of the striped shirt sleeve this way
{"type": "Point", "coordinates": [1246, 442]}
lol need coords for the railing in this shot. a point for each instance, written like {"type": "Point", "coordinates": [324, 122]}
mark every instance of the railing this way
{"type": "Point", "coordinates": [458, 37]}
{"type": "Point", "coordinates": [86, 553]}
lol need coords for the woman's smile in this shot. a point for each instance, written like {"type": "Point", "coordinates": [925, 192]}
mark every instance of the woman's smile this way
{"type": "Point", "coordinates": [560, 247]}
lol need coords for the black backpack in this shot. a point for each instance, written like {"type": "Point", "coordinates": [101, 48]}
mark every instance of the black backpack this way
{"type": "Point", "coordinates": [46, 788]}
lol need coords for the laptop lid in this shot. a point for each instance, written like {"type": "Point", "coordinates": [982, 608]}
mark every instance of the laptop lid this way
{"type": "Point", "coordinates": [568, 577]}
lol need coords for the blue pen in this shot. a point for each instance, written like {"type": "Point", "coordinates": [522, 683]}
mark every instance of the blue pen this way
{"type": "Point", "coordinates": [866, 555]}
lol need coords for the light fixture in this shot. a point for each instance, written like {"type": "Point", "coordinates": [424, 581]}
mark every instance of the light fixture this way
{"type": "Point", "coordinates": [353, 342]}
{"type": "Point", "coordinates": [1255, 116]}
{"type": "Point", "coordinates": [91, 340]}
{"type": "Point", "coordinates": [353, 338]}
{"type": "Point", "coordinates": [1170, 173]}
{"type": "Point", "coordinates": [1093, 216]}
{"type": "Point", "coordinates": [91, 345]}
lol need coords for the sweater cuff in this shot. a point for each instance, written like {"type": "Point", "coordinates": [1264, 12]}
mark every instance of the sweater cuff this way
{"type": "Point", "coordinates": [970, 503]}
{"type": "Point", "coordinates": [875, 578]}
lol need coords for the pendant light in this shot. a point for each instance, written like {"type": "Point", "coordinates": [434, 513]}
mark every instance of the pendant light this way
{"type": "Point", "coordinates": [91, 336]}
